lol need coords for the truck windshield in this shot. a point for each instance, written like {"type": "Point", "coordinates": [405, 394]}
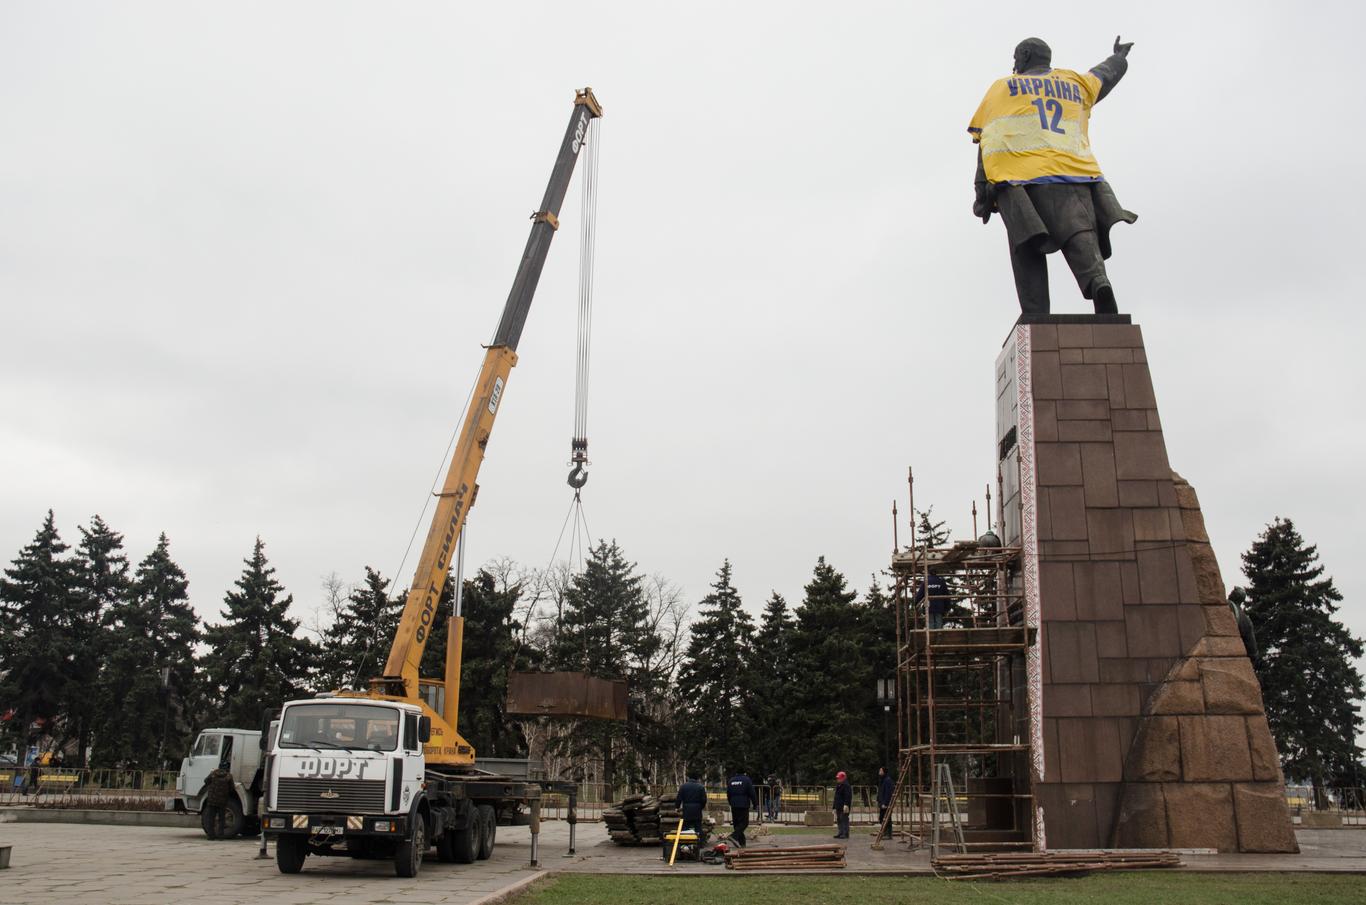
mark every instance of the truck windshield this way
{"type": "Point", "coordinates": [362, 726]}
{"type": "Point", "coordinates": [206, 745]}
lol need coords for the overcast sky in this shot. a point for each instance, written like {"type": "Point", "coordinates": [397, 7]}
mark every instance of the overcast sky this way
{"type": "Point", "coordinates": [249, 252]}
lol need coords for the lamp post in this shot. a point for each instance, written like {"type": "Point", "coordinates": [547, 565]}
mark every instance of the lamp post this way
{"type": "Point", "coordinates": [165, 673]}
{"type": "Point", "coordinates": [886, 696]}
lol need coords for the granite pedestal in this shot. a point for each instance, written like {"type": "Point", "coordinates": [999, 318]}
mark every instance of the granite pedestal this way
{"type": "Point", "coordinates": [1144, 712]}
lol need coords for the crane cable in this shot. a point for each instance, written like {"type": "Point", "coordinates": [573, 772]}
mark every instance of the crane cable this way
{"type": "Point", "coordinates": [578, 445]}
{"type": "Point", "coordinates": [579, 536]}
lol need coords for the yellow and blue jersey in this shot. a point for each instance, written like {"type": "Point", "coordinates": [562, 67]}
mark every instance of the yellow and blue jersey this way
{"type": "Point", "coordinates": [1032, 128]}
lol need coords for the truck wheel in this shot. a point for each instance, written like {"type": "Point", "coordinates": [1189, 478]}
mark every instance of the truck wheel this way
{"type": "Point", "coordinates": [445, 847]}
{"type": "Point", "coordinates": [290, 852]}
{"type": "Point", "coordinates": [488, 829]}
{"type": "Point", "coordinates": [233, 822]}
{"type": "Point", "coordinates": [408, 855]}
{"type": "Point", "coordinates": [465, 843]}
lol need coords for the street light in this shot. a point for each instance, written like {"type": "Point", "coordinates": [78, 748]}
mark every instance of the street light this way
{"type": "Point", "coordinates": [165, 673]}
{"type": "Point", "coordinates": [886, 696]}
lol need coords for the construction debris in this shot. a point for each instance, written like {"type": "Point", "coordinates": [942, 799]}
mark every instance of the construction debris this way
{"type": "Point", "coordinates": [1009, 865]}
{"type": "Point", "coordinates": [637, 820]}
{"type": "Point", "coordinates": [801, 857]}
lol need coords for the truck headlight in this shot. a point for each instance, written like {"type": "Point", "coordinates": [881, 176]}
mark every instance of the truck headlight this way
{"type": "Point", "coordinates": [275, 823]}
{"type": "Point", "coordinates": [384, 826]}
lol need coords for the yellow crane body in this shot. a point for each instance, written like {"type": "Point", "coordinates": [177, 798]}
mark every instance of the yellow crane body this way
{"type": "Point", "coordinates": [401, 680]}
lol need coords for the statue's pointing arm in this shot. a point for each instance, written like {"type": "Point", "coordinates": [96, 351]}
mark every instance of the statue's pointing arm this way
{"type": "Point", "coordinates": [1112, 69]}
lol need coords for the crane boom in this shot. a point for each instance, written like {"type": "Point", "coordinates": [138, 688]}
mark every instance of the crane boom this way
{"type": "Point", "coordinates": [400, 679]}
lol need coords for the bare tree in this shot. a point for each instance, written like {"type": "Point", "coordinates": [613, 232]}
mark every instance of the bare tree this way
{"type": "Point", "coordinates": [669, 621]}
{"type": "Point", "coordinates": [545, 603]}
{"type": "Point", "coordinates": [325, 612]}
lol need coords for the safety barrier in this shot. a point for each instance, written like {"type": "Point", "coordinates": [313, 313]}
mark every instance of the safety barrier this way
{"type": "Point", "coordinates": [792, 804]}
{"type": "Point", "coordinates": [51, 784]}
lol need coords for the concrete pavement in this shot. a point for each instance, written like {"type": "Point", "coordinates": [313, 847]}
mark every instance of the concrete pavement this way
{"type": "Point", "coordinates": [103, 865]}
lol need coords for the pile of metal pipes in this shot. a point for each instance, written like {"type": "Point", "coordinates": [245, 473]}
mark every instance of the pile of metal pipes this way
{"type": "Point", "coordinates": [800, 857]}
{"type": "Point", "coordinates": [1006, 865]}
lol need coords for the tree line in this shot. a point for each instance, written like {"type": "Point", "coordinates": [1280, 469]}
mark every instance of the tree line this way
{"type": "Point", "coordinates": [110, 659]}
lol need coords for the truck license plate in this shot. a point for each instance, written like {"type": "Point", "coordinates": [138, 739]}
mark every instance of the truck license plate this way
{"type": "Point", "coordinates": [329, 831]}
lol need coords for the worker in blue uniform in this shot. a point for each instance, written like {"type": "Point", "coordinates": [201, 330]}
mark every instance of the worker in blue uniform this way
{"type": "Point", "coordinates": [692, 804]}
{"type": "Point", "coordinates": [741, 797]}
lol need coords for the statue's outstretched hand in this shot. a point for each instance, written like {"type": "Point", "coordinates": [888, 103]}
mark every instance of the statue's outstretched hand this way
{"type": "Point", "coordinates": [984, 203]}
{"type": "Point", "coordinates": [1122, 49]}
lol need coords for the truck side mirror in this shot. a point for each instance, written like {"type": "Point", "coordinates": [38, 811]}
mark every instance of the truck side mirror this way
{"type": "Point", "coordinates": [424, 729]}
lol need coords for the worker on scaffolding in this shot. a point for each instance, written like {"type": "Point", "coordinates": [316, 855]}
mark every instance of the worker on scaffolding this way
{"type": "Point", "coordinates": [937, 590]}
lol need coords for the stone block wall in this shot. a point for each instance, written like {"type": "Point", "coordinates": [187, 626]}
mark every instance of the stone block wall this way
{"type": "Point", "coordinates": [1143, 703]}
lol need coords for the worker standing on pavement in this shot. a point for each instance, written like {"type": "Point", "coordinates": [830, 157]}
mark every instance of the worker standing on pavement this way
{"type": "Point", "coordinates": [844, 800]}
{"type": "Point", "coordinates": [740, 794]}
{"type": "Point", "coordinates": [885, 789]}
{"type": "Point", "coordinates": [692, 804]}
{"type": "Point", "coordinates": [775, 795]}
{"type": "Point", "coordinates": [217, 791]}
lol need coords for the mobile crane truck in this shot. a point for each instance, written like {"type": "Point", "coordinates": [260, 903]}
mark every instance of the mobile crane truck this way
{"type": "Point", "coordinates": [384, 773]}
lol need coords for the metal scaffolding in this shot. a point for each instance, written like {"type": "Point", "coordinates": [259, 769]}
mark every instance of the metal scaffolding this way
{"type": "Point", "coordinates": [962, 696]}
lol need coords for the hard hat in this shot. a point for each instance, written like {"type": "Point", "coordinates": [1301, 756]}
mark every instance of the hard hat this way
{"type": "Point", "coordinates": [841, 776]}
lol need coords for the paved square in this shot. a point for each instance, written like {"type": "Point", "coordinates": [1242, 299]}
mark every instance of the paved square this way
{"type": "Point", "coordinates": [116, 865]}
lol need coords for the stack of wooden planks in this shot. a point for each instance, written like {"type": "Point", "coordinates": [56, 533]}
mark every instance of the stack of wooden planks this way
{"type": "Point", "coordinates": [798, 857]}
{"type": "Point", "coordinates": [635, 821]}
{"type": "Point", "coordinates": [1006, 865]}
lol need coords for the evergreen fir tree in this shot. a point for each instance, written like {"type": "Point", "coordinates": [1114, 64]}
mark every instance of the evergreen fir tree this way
{"type": "Point", "coordinates": [877, 618]}
{"type": "Point", "coordinates": [147, 688]}
{"type": "Point", "coordinates": [928, 532]}
{"type": "Point", "coordinates": [769, 678]}
{"type": "Point", "coordinates": [1310, 684]}
{"type": "Point", "coordinates": [833, 681]}
{"type": "Point", "coordinates": [102, 582]}
{"type": "Point", "coordinates": [713, 683]}
{"type": "Point", "coordinates": [255, 661]}
{"type": "Point", "coordinates": [356, 645]}
{"type": "Point", "coordinates": [36, 593]}
{"type": "Point", "coordinates": [606, 632]}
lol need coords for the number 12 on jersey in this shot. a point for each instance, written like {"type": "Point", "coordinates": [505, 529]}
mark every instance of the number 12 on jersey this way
{"type": "Point", "coordinates": [1050, 107]}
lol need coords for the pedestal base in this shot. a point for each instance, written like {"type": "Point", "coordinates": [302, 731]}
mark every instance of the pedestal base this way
{"type": "Point", "coordinates": [1146, 717]}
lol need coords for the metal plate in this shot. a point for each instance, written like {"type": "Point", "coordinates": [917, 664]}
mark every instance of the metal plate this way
{"type": "Point", "coordinates": [566, 694]}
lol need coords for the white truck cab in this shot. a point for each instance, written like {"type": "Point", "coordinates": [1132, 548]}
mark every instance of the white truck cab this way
{"type": "Point", "coordinates": [241, 750]}
{"type": "Point", "coordinates": [346, 775]}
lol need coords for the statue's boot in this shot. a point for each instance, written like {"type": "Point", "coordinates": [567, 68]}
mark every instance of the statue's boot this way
{"type": "Point", "coordinates": [1103, 295]}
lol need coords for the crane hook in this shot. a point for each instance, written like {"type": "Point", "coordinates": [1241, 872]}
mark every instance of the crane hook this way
{"type": "Point", "coordinates": [578, 476]}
